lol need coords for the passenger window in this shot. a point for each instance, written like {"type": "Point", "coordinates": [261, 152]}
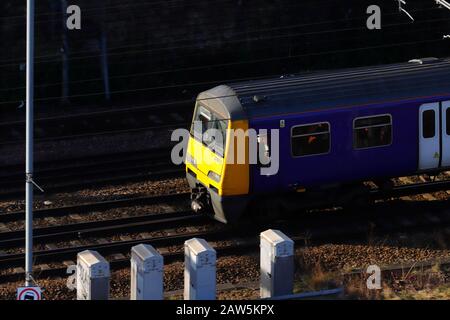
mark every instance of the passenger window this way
{"type": "Point", "coordinates": [429, 124]}
{"type": "Point", "coordinates": [372, 132]}
{"type": "Point", "coordinates": [447, 115]}
{"type": "Point", "coordinates": [310, 139]}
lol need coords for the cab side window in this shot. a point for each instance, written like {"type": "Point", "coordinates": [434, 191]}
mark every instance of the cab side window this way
{"type": "Point", "coordinates": [310, 139]}
{"type": "Point", "coordinates": [207, 127]}
{"type": "Point", "coordinates": [371, 132]}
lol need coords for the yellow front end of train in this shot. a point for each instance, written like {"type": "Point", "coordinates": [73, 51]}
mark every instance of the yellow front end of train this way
{"type": "Point", "coordinates": [219, 182]}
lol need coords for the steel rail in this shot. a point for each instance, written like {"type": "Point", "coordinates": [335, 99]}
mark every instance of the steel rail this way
{"type": "Point", "coordinates": [101, 181]}
{"type": "Point", "coordinates": [42, 256]}
{"type": "Point", "coordinates": [305, 228]}
{"type": "Point", "coordinates": [97, 206]}
{"type": "Point", "coordinates": [169, 257]}
{"type": "Point", "coordinates": [101, 133]}
{"type": "Point", "coordinates": [56, 167]}
{"type": "Point", "coordinates": [411, 189]}
{"type": "Point", "coordinates": [237, 246]}
{"type": "Point", "coordinates": [82, 230]}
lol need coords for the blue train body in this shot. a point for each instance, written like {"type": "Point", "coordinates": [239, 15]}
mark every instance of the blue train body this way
{"type": "Point", "coordinates": [337, 129]}
{"type": "Point", "coordinates": [343, 163]}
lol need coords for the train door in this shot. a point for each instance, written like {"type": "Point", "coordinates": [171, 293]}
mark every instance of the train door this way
{"type": "Point", "coordinates": [445, 133]}
{"type": "Point", "coordinates": [429, 136]}
{"type": "Point", "coordinates": [434, 135]}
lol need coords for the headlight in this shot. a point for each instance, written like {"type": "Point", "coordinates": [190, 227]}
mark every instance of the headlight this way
{"type": "Point", "coordinates": [214, 176]}
{"type": "Point", "coordinates": [190, 159]}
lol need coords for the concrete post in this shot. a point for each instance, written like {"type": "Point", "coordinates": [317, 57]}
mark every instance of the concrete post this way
{"type": "Point", "coordinates": [199, 270]}
{"type": "Point", "coordinates": [277, 264]}
{"type": "Point", "coordinates": [146, 273]}
{"type": "Point", "coordinates": [92, 276]}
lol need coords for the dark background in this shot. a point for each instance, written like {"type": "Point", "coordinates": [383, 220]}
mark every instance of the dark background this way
{"type": "Point", "coordinates": [171, 50]}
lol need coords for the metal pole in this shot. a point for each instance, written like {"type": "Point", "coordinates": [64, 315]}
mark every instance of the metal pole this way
{"type": "Point", "coordinates": [105, 71]}
{"type": "Point", "coordinates": [65, 55]}
{"type": "Point", "coordinates": [29, 146]}
{"type": "Point", "coordinates": [104, 55]}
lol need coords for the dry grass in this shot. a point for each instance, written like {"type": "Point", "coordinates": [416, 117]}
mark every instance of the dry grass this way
{"type": "Point", "coordinates": [408, 284]}
{"type": "Point", "coordinates": [315, 280]}
{"type": "Point", "coordinates": [439, 293]}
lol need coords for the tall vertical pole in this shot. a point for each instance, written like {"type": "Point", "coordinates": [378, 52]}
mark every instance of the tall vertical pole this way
{"type": "Point", "coordinates": [29, 147]}
{"type": "Point", "coordinates": [65, 55]}
{"type": "Point", "coordinates": [104, 54]}
{"type": "Point", "coordinates": [104, 58]}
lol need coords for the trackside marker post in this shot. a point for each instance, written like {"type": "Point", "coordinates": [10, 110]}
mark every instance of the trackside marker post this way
{"type": "Point", "coordinates": [277, 264]}
{"type": "Point", "coordinates": [92, 276]}
{"type": "Point", "coordinates": [199, 270]}
{"type": "Point", "coordinates": [146, 273]}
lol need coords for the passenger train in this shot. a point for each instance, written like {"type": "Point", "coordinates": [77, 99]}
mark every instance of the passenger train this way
{"type": "Point", "coordinates": [337, 129]}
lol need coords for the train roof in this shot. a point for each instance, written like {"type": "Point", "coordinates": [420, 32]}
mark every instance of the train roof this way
{"type": "Point", "coordinates": [419, 78]}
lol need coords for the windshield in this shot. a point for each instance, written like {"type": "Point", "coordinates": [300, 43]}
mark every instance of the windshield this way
{"type": "Point", "coordinates": [209, 129]}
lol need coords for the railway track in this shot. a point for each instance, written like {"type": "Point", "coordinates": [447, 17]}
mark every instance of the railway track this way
{"type": "Point", "coordinates": [84, 230]}
{"type": "Point", "coordinates": [177, 114]}
{"type": "Point", "coordinates": [96, 206]}
{"type": "Point", "coordinates": [384, 218]}
{"type": "Point", "coordinates": [426, 186]}
{"type": "Point", "coordinates": [94, 171]}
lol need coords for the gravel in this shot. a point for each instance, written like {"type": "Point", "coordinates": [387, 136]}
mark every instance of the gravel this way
{"type": "Point", "coordinates": [329, 258]}
{"type": "Point", "coordinates": [89, 195]}
{"type": "Point", "coordinates": [239, 267]}
{"type": "Point", "coordinates": [114, 213]}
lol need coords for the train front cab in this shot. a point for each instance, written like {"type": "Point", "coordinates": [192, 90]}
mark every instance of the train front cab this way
{"type": "Point", "coordinates": [217, 185]}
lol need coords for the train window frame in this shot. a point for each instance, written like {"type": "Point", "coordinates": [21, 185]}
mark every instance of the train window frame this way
{"type": "Point", "coordinates": [215, 114]}
{"type": "Point", "coordinates": [391, 123]}
{"type": "Point", "coordinates": [302, 135]}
